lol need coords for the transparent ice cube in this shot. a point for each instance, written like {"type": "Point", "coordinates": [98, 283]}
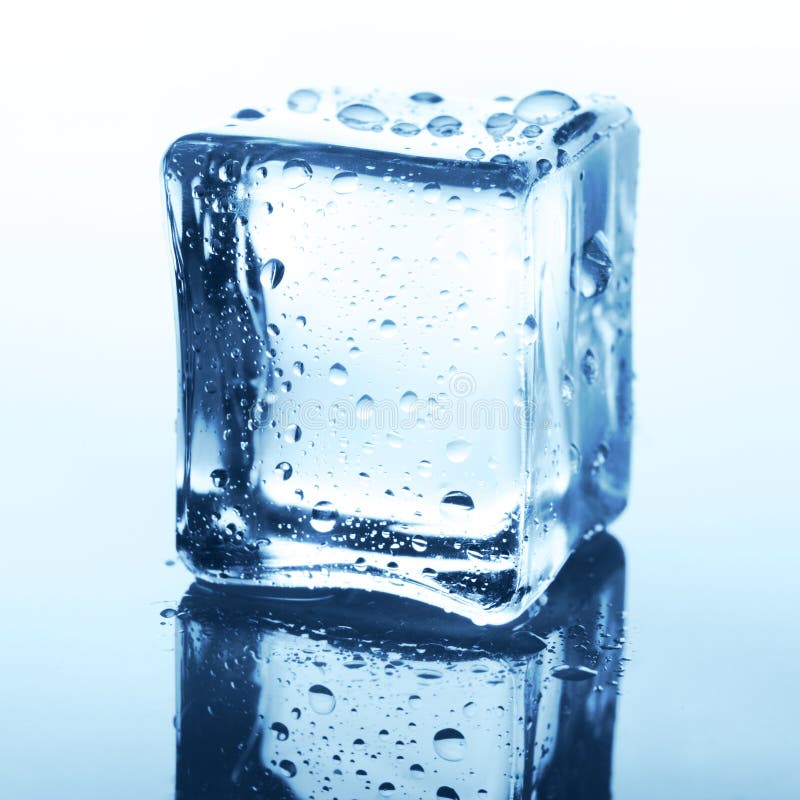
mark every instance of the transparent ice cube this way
{"type": "Point", "coordinates": [361, 696]}
{"type": "Point", "coordinates": [404, 342]}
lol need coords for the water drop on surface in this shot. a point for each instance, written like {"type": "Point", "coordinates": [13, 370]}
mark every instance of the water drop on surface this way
{"type": "Point", "coordinates": [419, 544]}
{"type": "Point", "coordinates": [219, 477]}
{"type": "Point", "coordinates": [458, 450]}
{"type": "Point", "coordinates": [596, 266]}
{"type": "Point", "coordinates": [531, 131]}
{"type": "Point", "coordinates": [364, 407]}
{"type": "Point", "coordinates": [543, 167]}
{"type": "Point", "coordinates": [280, 730]}
{"type": "Point", "coordinates": [506, 200]}
{"type": "Point", "coordinates": [417, 771]}
{"type": "Point", "coordinates": [272, 273]}
{"type": "Point", "coordinates": [498, 125]}
{"type": "Point", "coordinates": [453, 504]}
{"type": "Point", "coordinates": [530, 329]}
{"type": "Point", "coordinates": [431, 192]}
{"type": "Point", "coordinates": [288, 767]}
{"type": "Point", "coordinates": [293, 433]}
{"type": "Point", "coordinates": [446, 793]}
{"type": "Point", "coordinates": [298, 368]}
{"type": "Point", "coordinates": [248, 113]}
{"type": "Point", "coordinates": [426, 97]}
{"type": "Point", "coordinates": [296, 172]}
{"type": "Point", "coordinates": [388, 328]}
{"type": "Point", "coordinates": [386, 789]}
{"type": "Point", "coordinates": [444, 126]}
{"type": "Point", "coordinates": [321, 699]}
{"type": "Point", "coordinates": [567, 389]}
{"type": "Point", "coordinates": [589, 367]}
{"type": "Point", "coordinates": [405, 128]}
{"type": "Point", "coordinates": [362, 117]}
{"type": "Point", "coordinates": [475, 154]}
{"type": "Point", "coordinates": [303, 101]}
{"type": "Point", "coordinates": [284, 470]}
{"type": "Point", "coordinates": [449, 744]}
{"type": "Point", "coordinates": [338, 375]}
{"type": "Point", "coordinates": [424, 468]}
{"type": "Point", "coordinates": [567, 673]}
{"type": "Point", "coordinates": [469, 710]}
{"type": "Point", "coordinates": [408, 402]}
{"type": "Point", "coordinates": [541, 107]}
{"type": "Point", "coordinates": [324, 516]}
{"type": "Point", "coordinates": [344, 182]}
{"type": "Point", "coordinates": [168, 613]}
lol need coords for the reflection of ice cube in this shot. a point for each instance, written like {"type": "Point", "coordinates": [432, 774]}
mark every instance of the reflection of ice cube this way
{"type": "Point", "coordinates": [355, 695]}
{"type": "Point", "coordinates": [405, 359]}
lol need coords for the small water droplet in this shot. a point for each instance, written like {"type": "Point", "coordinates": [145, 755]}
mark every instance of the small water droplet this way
{"type": "Point", "coordinates": [431, 192]}
{"type": "Point", "coordinates": [458, 450]}
{"type": "Point", "coordinates": [444, 126]}
{"type": "Point", "coordinates": [405, 128]}
{"type": "Point", "coordinates": [362, 117]}
{"type": "Point", "coordinates": [296, 172]}
{"type": "Point", "coordinates": [449, 744]}
{"type": "Point", "coordinates": [324, 517]}
{"type": "Point", "coordinates": [589, 367]}
{"type": "Point", "coordinates": [498, 125]}
{"type": "Point", "coordinates": [338, 375]}
{"type": "Point", "coordinates": [419, 544]}
{"type": "Point", "coordinates": [542, 107]}
{"type": "Point", "coordinates": [288, 767]}
{"type": "Point", "coordinates": [567, 389]}
{"type": "Point", "coordinates": [596, 266]}
{"type": "Point", "coordinates": [530, 329]}
{"type": "Point", "coordinates": [219, 477]}
{"type": "Point", "coordinates": [321, 699]}
{"type": "Point", "coordinates": [248, 113]}
{"type": "Point", "coordinates": [280, 730]}
{"type": "Point", "coordinates": [543, 167]}
{"type": "Point", "coordinates": [415, 702]}
{"type": "Point", "coordinates": [453, 504]}
{"type": "Point", "coordinates": [303, 101]}
{"type": "Point", "coordinates": [284, 470]}
{"type": "Point", "coordinates": [344, 182]}
{"type": "Point", "coordinates": [408, 402]}
{"type": "Point", "coordinates": [475, 154]}
{"type": "Point", "coordinates": [417, 771]}
{"type": "Point", "coordinates": [388, 328]}
{"type": "Point", "coordinates": [567, 673]}
{"type": "Point", "coordinates": [426, 97]}
{"type": "Point", "coordinates": [531, 131]}
{"type": "Point", "coordinates": [364, 407]}
{"type": "Point", "coordinates": [360, 564]}
{"type": "Point", "coordinates": [168, 613]}
{"type": "Point", "coordinates": [292, 433]}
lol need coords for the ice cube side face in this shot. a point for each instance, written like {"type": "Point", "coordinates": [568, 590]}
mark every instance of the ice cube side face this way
{"type": "Point", "coordinates": [400, 372]}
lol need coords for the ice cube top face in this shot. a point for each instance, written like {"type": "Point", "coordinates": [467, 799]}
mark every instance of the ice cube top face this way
{"type": "Point", "coordinates": [404, 342]}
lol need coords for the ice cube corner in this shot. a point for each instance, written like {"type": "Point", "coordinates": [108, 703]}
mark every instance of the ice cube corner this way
{"type": "Point", "coordinates": [404, 342]}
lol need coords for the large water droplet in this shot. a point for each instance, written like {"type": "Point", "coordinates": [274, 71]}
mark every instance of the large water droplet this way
{"type": "Point", "coordinates": [531, 131]}
{"type": "Point", "coordinates": [284, 470]}
{"type": "Point", "coordinates": [364, 407]}
{"type": "Point", "coordinates": [424, 468]}
{"type": "Point", "coordinates": [417, 771]}
{"type": "Point", "coordinates": [219, 477]}
{"type": "Point", "coordinates": [541, 107]}
{"type": "Point", "coordinates": [248, 113]}
{"type": "Point", "coordinates": [458, 450]}
{"type": "Point", "coordinates": [304, 101]}
{"type": "Point", "coordinates": [296, 172]}
{"type": "Point", "coordinates": [338, 375]}
{"type": "Point", "coordinates": [280, 730]}
{"type": "Point", "coordinates": [272, 273]}
{"type": "Point", "coordinates": [431, 192]}
{"type": "Point", "coordinates": [444, 126]}
{"type": "Point", "coordinates": [321, 699]}
{"type": "Point", "coordinates": [596, 266]}
{"type": "Point", "coordinates": [453, 504]}
{"type": "Point", "coordinates": [344, 182]}
{"type": "Point", "coordinates": [567, 673]}
{"type": "Point", "coordinates": [388, 328]}
{"type": "Point", "coordinates": [362, 117]}
{"type": "Point", "coordinates": [475, 154]}
{"type": "Point", "coordinates": [426, 97]}
{"type": "Point", "coordinates": [449, 744]}
{"type": "Point", "coordinates": [567, 389]}
{"type": "Point", "coordinates": [323, 517]}
{"type": "Point", "coordinates": [405, 128]}
{"type": "Point", "coordinates": [447, 793]}
{"type": "Point", "coordinates": [408, 402]}
{"type": "Point", "coordinates": [288, 767]}
{"type": "Point", "coordinates": [386, 789]}
{"type": "Point", "coordinates": [498, 125]}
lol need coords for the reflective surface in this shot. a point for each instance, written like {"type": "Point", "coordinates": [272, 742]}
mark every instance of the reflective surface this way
{"type": "Point", "coordinates": [363, 695]}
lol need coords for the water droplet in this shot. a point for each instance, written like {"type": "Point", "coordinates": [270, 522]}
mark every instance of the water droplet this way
{"type": "Point", "coordinates": [298, 368]}
{"type": "Point", "coordinates": [323, 519]}
{"type": "Point", "coordinates": [248, 113]}
{"type": "Point", "coordinates": [219, 477]}
{"type": "Point", "coordinates": [469, 710]}
{"type": "Point", "coordinates": [405, 128]}
{"type": "Point", "coordinates": [304, 101]}
{"type": "Point", "coordinates": [415, 702]}
{"type": "Point", "coordinates": [426, 97]}
{"type": "Point", "coordinates": [567, 673]}
{"type": "Point", "coordinates": [543, 167]}
{"type": "Point", "coordinates": [596, 266]}
{"type": "Point", "coordinates": [386, 789]}
{"type": "Point", "coordinates": [292, 433]}
{"type": "Point", "coordinates": [280, 730]}
{"type": "Point", "coordinates": [572, 128]}
{"type": "Point", "coordinates": [567, 389]}
{"type": "Point", "coordinates": [230, 171]}
{"type": "Point", "coordinates": [338, 375]}
{"type": "Point", "coordinates": [168, 613]}
{"type": "Point", "coordinates": [447, 793]}
{"type": "Point", "coordinates": [288, 767]}
{"type": "Point", "coordinates": [360, 564]}
{"type": "Point", "coordinates": [424, 468]}
{"type": "Point", "coordinates": [475, 154]}
{"type": "Point", "coordinates": [408, 403]}
{"type": "Point", "coordinates": [506, 200]}
{"type": "Point", "coordinates": [531, 131]}
{"type": "Point", "coordinates": [394, 439]}
{"type": "Point", "coordinates": [431, 192]}
{"type": "Point", "coordinates": [419, 544]}
{"type": "Point", "coordinates": [589, 367]}
{"type": "Point", "coordinates": [530, 329]}
{"type": "Point", "coordinates": [458, 450]}
{"type": "Point", "coordinates": [417, 771]}
{"type": "Point", "coordinates": [296, 172]}
{"type": "Point", "coordinates": [388, 329]}
{"type": "Point", "coordinates": [444, 126]}
{"type": "Point", "coordinates": [364, 407]}
{"type": "Point", "coordinates": [498, 125]}
{"type": "Point", "coordinates": [541, 107]}
{"type": "Point", "coordinates": [449, 744]}
{"type": "Point", "coordinates": [284, 470]}
{"type": "Point", "coordinates": [453, 504]}
{"type": "Point", "coordinates": [344, 182]}
{"type": "Point", "coordinates": [300, 322]}
{"type": "Point", "coordinates": [362, 117]}
{"type": "Point", "coordinates": [321, 699]}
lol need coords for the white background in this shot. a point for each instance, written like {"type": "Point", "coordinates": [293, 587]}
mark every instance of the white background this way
{"type": "Point", "coordinates": [91, 95]}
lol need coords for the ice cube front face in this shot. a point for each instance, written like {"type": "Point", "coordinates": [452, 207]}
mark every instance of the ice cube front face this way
{"type": "Point", "coordinates": [404, 339]}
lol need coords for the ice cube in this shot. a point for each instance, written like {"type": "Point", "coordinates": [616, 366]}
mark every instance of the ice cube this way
{"type": "Point", "coordinates": [404, 342]}
{"type": "Point", "coordinates": [348, 693]}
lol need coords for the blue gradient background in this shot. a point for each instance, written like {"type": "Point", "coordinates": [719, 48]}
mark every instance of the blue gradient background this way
{"type": "Point", "coordinates": [94, 93]}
